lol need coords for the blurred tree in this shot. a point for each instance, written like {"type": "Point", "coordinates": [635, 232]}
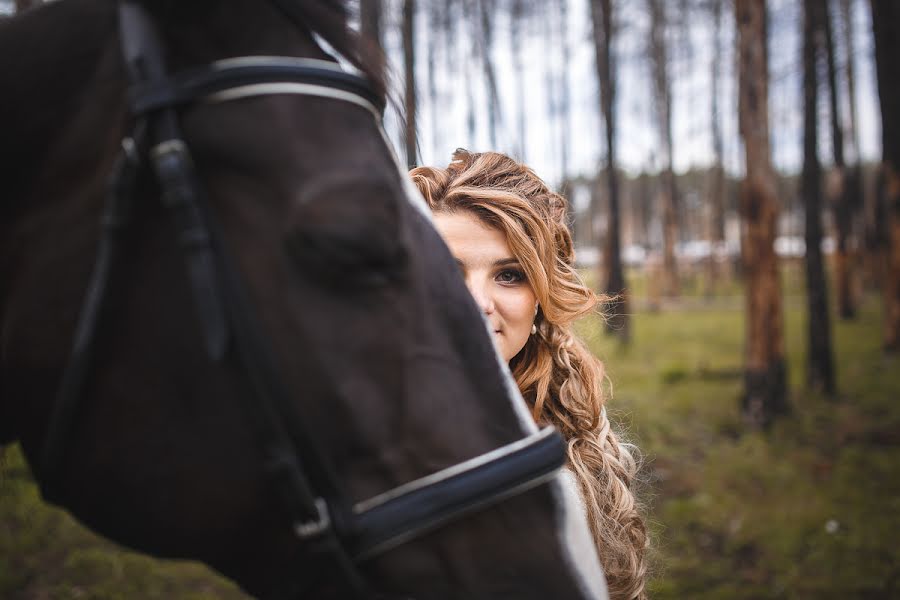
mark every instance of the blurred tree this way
{"type": "Point", "coordinates": [370, 21]}
{"type": "Point", "coordinates": [517, 18]}
{"type": "Point", "coordinates": [886, 28]}
{"type": "Point", "coordinates": [662, 87]}
{"type": "Point", "coordinates": [853, 182]}
{"type": "Point", "coordinates": [716, 204]}
{"type": "Point", "coordinates": [819, 363]}
{"type": "Point", "coordinates": [21, 5]}
{"type": "Point", "coordinates": [565, 104]}
{"type": "Point", "coordinates": [484, 42]}
{"type": "Point", "coordinates": [409, 69]}
{"type": "Point", "coordinates": [436, 40]}
{"type": "Point", "coordinates": [612, 277]}
{"type": "Point", "coordinates": [765, 371]}
{"type": "Point", "coordinates": [838, 191]}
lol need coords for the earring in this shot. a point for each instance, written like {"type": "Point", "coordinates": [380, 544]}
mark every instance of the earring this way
{"type": "Point", "coordinates": [533, 329]}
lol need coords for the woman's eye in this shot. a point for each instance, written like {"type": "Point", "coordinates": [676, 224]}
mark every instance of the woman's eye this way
{"type": "Point", "coordinates": [510, 276]}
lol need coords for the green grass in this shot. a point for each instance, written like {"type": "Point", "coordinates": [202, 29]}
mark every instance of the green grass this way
{"type": "Point", "coordinates": [46, 554]}
{"type": "Point", "coordinates": [810, 509]}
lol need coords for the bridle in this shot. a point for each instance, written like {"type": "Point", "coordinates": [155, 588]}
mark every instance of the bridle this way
{"type": "Point", "coordinates": [334, 530]}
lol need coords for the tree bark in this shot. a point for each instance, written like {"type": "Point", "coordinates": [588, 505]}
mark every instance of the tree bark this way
{"type": "Point", "coordinates": [613, 277]}
{"type": "Point", "coordinates": [716, 204]}
{"type": "Point", "coordinates": [409, 65]}
{"type": "Point", "coordinates": [517, 16]}
{"type": "Point", "coordinates": [765, 371]}
{"type": "Point", "coordinates": [886, 27]}
{"type": "Point", "coordinates": [663, 98]}
{"type": "Point", "coordinates": [853, 182]}
{"type": "Point", "coordinates": [820, 365]}
{"type": "Point", "coordinates": [370, 21]}
{"type": "Point", "coordinates": [485, 43]}
{"type": "Point", "coordinates": [564, 93]}
{"type": "Point", "coordinates": [838, 190]}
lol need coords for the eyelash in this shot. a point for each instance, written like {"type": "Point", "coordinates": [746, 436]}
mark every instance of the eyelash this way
{"type": "Point", "coordinates": [518, 276]}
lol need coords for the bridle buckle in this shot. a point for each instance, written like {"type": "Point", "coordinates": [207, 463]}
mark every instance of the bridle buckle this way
{"type": "Point", "coordinates": [314, 528]}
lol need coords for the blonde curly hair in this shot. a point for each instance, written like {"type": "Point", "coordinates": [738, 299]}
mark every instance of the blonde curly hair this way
{"type": "Point", "coordinates": [556, 373]}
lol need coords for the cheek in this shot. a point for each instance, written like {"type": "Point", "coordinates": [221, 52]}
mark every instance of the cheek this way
{"type": "Point", "coordinates": [519, 304]}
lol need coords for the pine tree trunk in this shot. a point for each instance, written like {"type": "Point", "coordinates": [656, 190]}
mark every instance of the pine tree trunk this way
{"type": "Point", "coordinates": [838, 190]}
{"type": "Point", "coordinates": [820, 365]}
{"type": "Point", "coordinates": [886, 26]}
{"type": "Point", "coordinates": [663, 101]}
{"type": "Point", "coordinates": [856, 197]}
{"type": "Point", "coordinates": [765, 371]}
{"type": "Point", "coordinates": [517, 16]}
{"type": "Point", "coordinates": [486, 46]}
{"type": "Point", "coordinates": [564, 96]}
{"type": "Point", "coordinates": [370, 21]}
{"type": "Point", "coordinates": [613, 277]}
{"type": "Point", "coordinates": [409, 65]}
{"type": "Point", "coordinates": [716, 204]}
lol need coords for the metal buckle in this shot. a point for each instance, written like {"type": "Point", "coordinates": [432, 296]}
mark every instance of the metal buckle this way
{"type": "Point", "coordinates": [311, 529]}
{"type": "Point", "coordinates": [170, 147]}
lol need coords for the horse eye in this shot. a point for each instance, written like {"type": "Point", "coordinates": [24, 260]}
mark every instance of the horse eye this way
{"type": "Point", "coordinates": [348, 237]}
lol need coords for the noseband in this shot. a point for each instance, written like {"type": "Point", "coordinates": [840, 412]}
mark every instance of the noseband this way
{"type": "Point", "coordinates": [332, 529]}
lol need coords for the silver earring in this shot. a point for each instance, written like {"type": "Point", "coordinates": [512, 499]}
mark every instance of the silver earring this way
{"type": "Point", "coordinates": [533, 329]}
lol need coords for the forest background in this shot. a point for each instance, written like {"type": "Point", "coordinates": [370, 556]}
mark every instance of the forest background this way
{"type": "Point", "coordinates": [755, 247]}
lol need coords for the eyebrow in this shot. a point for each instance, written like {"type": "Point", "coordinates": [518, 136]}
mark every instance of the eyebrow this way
{"type": "Point", "coordinates": [503, 262]}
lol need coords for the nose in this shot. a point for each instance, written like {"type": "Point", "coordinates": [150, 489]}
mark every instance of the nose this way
{"type": "Point", "coordinates": [481, 292]}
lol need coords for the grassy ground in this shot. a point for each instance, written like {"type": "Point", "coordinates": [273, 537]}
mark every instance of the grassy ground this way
{"type": "Point", "coordinates": [45, 554]}
{"type": "Point", "coordinates": [810, 509]}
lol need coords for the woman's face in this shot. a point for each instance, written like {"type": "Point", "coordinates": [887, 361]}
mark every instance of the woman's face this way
{"type": "Point", "coordinates": [494, 276]}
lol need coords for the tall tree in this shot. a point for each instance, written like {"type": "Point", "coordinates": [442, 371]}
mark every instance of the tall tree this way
{"type": "Point", "coordinates": [485, 45]}
{"type": "Point", "coordinates": [565, 105]}
{"type": "Point", "coordinates": [765, 371]}
{"type": "Point", "coordinates": [820, 364]}
{"type": "Point", "coordinates": [370, 21]}
{"type": "Point", "coordinates": [409, 68]}
{"type": "Point", "coordinates": [716, 204]}
{"type": "Point", "coordinates": [886, 27]}
{"type": "Point", "coordinates": [854, 194]}
{"type": "Point", "coordinates": [662, 86]}
{"type": "Point", "coordinates": [517, 18]}
{"type": "Point", "coordinates": [839, 192]}
{"type": "Point", "coordinates": [613, 277]}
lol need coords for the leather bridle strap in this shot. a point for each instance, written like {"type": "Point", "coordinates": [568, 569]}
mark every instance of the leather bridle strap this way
{"type": "Point", "coordinates": [290, 455]}
{"type": "Point", "coordinates": [413, 509]}
{"type": "Point", "coordinates": [254, 75]}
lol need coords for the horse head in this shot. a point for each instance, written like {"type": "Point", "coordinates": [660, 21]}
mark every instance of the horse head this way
{"type": "Point", "coordinates": [276, 368]}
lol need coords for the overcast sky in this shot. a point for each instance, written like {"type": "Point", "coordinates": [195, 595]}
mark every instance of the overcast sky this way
{"type": "Point", "coordinates": [637, 137]}
{"type": "Point", "coordinates": [459, 75]}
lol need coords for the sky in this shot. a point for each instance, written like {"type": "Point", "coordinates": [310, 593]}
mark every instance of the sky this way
{"type": "Point", "coordinates": [443, 128]}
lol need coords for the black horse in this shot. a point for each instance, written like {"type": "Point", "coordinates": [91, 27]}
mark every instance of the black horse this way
{"type": "Point", "coordinates": [228, 334]}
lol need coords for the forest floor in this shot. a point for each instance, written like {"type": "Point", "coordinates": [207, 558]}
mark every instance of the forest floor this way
{"type": "Point", "coordinates": [809, 509]}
